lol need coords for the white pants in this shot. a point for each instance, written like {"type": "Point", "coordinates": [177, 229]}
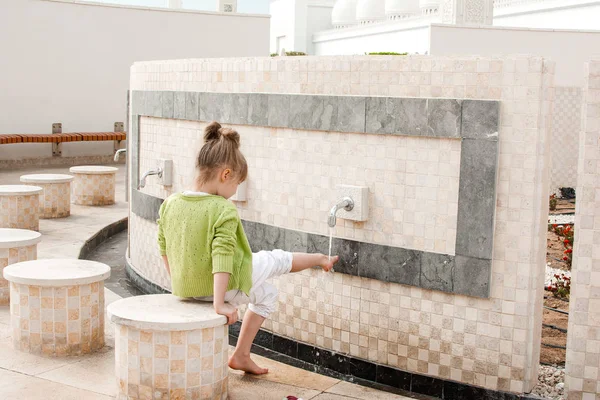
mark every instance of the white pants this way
{"type": "Point", "coordinates": [263, 295]}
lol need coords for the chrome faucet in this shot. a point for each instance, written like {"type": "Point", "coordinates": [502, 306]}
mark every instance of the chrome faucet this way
{"type": "Point", "coordinates": [346, 203]}
{"type": "Point", "coordinates": [157, 171]}
{"type": "Point", "coordinates": [118, 153]}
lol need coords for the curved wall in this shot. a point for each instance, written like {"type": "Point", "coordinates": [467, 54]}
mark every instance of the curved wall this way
{"type": "Point", "coordinates": [298, 151]}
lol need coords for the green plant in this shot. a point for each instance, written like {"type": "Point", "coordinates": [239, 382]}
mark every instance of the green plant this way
{"type": "Point", "coordinates": [561, 287]}
{"type": "Point", "coordinates": [567, 233]}
{"type": "Point", "coordinates": [386, 53]}
{"type": "Point", "coordinates": [290, 54]}
{"type": "Point", "coordinates": [553, 202]}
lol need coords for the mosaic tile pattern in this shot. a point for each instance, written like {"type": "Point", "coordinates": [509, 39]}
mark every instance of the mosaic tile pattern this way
{"type": "Point", "coordinates": [94, 189]}
{"type": "Point", "coordinates": [20, 212]}
{"type": "Point", "coordinates": [57, 321]}
{"type": "Point", "coordinates": [582, 375]}
{"type": "Point", "coordinates": [55, 200]}
{"type": "Point", "coordinates": [566, 127]}
{"type": "Point", "coordinates": [11, 256]}
{"type": "Point", "coordinates": [172, 365]}
{"type": "Point", "coordinates": [493, 343]}
{"type": "Point", "coordinates": [414, 181]}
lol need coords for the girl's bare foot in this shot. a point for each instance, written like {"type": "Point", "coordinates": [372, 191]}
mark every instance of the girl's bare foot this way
{"type": "Point", "coordinates": [246, 364]}
{"type": "Point", "coordinates": [327, 264]}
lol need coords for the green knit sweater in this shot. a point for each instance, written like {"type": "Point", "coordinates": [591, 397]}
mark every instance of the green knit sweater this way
{"type": "Point", "coordinates": [203, 235]}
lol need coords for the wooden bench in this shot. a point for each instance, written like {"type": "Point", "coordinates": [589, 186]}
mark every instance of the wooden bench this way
{"type": "Point", "coordinates": [57, 137]}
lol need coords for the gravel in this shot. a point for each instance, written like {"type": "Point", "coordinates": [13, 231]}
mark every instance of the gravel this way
{"type": "Point", "coordinates": [561, 219]}
{"type": "Point", "coordinates": [551, 383]}
{"type": "Point", "coordinates": [550, 272]}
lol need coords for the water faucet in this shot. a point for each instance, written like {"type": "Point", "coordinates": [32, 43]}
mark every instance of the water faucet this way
{"type": "Point", "coordinates": [118, 153]}
{"type": "Point", "coordinates": [346, 203]}
{"type": "Point", "coordinates": [157, 171]}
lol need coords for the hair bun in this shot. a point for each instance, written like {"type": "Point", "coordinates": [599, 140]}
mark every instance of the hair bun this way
{"type": "Point", "coordinates": [230, 134]}
{"type": "Point", "coordinates": [212, 132]}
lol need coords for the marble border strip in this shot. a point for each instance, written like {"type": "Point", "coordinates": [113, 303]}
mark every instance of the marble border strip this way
{"type": "Point", "coordinates": [341, 366]}
{"type": "Point", "coordinates": [474, 122]}
{"type": "Point", "coordinates": [452, 274]}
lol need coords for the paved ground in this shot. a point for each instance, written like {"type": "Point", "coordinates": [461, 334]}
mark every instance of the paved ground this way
{"type": "Point", "coordinates": [25, 376]}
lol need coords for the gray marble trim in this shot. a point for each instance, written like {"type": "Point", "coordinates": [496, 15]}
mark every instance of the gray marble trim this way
{"type": "Point", "coordinates": [475, 122]}
{"type": "Point", "coordinates": [443, 118]}
{"type": "Point", "coordinates": [453, 274]}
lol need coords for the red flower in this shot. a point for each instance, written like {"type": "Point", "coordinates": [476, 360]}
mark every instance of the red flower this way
{"type": "Point", "coordinates": [566, 258]}
{"type": "Point", "coordinates": [568, 251]}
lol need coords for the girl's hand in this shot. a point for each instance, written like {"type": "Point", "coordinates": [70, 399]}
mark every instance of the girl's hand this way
{"type": "Point", "coordinates": [327, 264]}
{"type": "Point", "coordinates": [228, 311]}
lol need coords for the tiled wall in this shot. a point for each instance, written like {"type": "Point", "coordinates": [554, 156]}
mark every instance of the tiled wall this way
{"type": "Point", "coordinates": [582, 379]}
{"type": "Point", "coordinates": [488, 342]}
{"type": "Point", "coordinates": [94, 189]}
{"type": "Point", "coordinates": [55, 200]}
{"type": "Point", "coordinates": [20, 212]}
{"type": "Point", "coordinates": [566, 127]}
{"type": "Point", "coordinates": [172, 365]}
{"type": "Point", "coordinates": [9, 256]}
{"type": "Point", "coordinates": [57, 321]}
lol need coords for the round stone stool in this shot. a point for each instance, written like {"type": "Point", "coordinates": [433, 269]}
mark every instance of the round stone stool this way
{"type": "Point", "coordinates": [16, 245]}
{"type": "Point", "coordinates": [55, 200]}
{"type": "Point", "coordinates": [57, 306]}
{"type": "Point", "coordinates": [169, 348]}
{"type": "Point", "coordinates": [19, 207]}
{"type": "Point", "coordinates": [94, 185]}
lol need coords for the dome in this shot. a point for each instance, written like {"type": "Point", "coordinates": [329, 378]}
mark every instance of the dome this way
{"type": "Point", "coordinates": [370, 11]}
{"type": "Point", "coordinates": [401, 7]}
{"type": "Point", "coordinates": [344, 13]}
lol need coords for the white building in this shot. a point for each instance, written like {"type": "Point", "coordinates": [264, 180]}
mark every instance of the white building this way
{"type": "Point", "coordinates": [566, 31]}
{"type": "Point", "coordinates": [329, 27]}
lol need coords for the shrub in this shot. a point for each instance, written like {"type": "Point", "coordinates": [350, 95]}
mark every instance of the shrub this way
{"type": "Point", "coordinates": [386, 53]}
{"type": "Point", "coordinates": [290, 54]}
{"type": "Point", "coordinates": [553, 202]}
{"type": "Point", "coordinates": [568, 237]}
{"type": "Point", "coordinates": [561, 287]}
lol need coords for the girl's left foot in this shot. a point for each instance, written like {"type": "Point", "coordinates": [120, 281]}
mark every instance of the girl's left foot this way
{"type": "Point", "coordinates": [247, 365]}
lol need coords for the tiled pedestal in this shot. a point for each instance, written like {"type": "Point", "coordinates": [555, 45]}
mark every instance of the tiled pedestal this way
{"type": "Point", "coordinates": [57, 306]}
{"type": "Point", "coordinates": [94, 185]}
{"type": "Point", "coordinates": [19, 207]}
{"type": "Point", "coordinates": [16, 245]}
{"type": "Point", "coordinates": [55, 199]}
{"type": "Point", "coordinates": [169, 348]}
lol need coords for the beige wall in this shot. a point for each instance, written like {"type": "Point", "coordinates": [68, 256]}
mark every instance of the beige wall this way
{"type": "Point", "coordinates": [582, 378]}
{"type": "Point", "coordinates": [491, 342]}
{"type": "Point", "coordinates": [69, 62]}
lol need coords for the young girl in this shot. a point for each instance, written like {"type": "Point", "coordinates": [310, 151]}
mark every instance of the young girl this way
{"type": "Point", "coordinates": [206, 252]}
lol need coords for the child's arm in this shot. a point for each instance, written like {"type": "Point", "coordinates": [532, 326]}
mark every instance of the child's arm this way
{"type": "Point", "coordinates": [166, 262]}
{"type": "Point", "coordinates": [221, 280]}
{"type": "Point", "coordinates": [223, 248]}
{"type": "Point", "coordinates": [302, 261]}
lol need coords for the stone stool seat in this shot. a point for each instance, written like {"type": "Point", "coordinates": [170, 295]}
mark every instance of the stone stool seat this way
{"type": "Point", "coordinates": [94, 185]}
{"type": "Point", "coordinates": [19, 207]}
{"type": "Point", "coordinates": [55, 200]}
{"type": "Point", "coordinates": [169, 348]}
{"type": "Point", "coordinates": [16, 245]}
{"type": "Point", "coordinates": [57, 306]}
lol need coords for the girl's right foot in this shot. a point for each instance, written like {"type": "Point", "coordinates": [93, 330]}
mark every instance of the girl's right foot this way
{"type": "Point", "coordinates": [327, 264]}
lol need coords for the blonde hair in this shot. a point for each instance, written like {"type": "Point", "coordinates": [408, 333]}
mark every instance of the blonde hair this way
{"type": "Point", "coordinates": [221, 150]}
